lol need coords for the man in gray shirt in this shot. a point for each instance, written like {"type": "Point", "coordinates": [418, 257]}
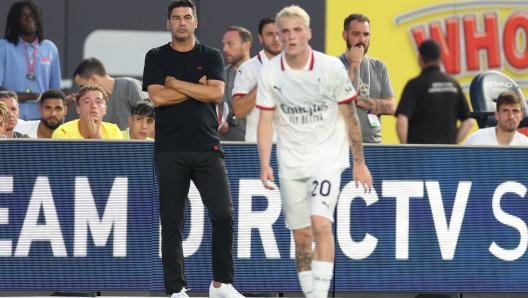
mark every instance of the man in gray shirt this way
{"type": "Point", "coordinates": [375, 94]}
{"type": "Point", "coordinates": [237, 43]}
{"type": "Point", "coordinates": [123, 92]}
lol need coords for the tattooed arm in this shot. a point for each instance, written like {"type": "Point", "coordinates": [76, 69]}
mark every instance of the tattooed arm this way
{"type": "Point", "coordinates": [360, 173]}
{"type": "Point", "coordinates": [378, 106]}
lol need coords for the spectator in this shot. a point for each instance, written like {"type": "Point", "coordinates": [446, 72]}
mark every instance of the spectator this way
{"type": "Point", "coordinates": [9, 98]}
{"type": "Point", "coordinates": [91, 107]}
{"type": "Point", "coordinates": [52, 107]}
{"type": "Point", "coordinates": [4, 113]}
{"type": "Point", "coordinates": [432, 103]}
{"type": "Point", "coordinates": [123, 92]}
{"type": "Point", "coordinates": [237, 43]}
{"type": "Point", "coordinates": [245, 88]}
{"type": "Point", "coordinates": [509, 114]}
{"type": "Point", "coordinates": [29, 62]}
{"type": "Point", "coordinates": [141, 121]}
{"type": "Point", "coordinates": [375, 95]}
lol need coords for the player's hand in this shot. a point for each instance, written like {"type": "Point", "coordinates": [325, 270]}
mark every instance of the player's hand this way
{"type": "Point", "coordinates": [94, 128]}
{"type": "Point", "coordinates": [70, 100]}
{"type": "Point", "coordinates": [355, 53]}
{"type": "Point", "coordinates": [223, 127]}
{"type": "Point", "coordinates": [361, 175]}
{"type": "Point", "coordinates": [266, 175]}
{"type": "Point", "coordinates": [203, 81]}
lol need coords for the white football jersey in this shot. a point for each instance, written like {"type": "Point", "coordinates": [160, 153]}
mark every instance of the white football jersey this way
{"type": "Point", "coordinates": [311, 130]}
{"type": "Point", "coordinates": [29, 128]}
{"type": "Point", "coordinates": [247, 77]}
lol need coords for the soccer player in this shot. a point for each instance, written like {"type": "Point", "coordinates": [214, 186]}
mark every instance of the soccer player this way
{"type": "Point", "coordinates": [314, 101]}
{"type": "Point", "coordinates": [141, 121]}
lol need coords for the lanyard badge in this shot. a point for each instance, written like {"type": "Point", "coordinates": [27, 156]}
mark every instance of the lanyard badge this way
{"type": "Point", "coordinates": [31, 65]}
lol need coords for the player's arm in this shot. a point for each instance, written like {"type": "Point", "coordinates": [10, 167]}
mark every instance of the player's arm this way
{"type": "Point", "coordinates": [378, 106]}
{"type": "Point", "coordinates": [402, 128]}
{"type": "Point", "coordinates": [360, 172]}
{"type": "Point", "coordinates": [244, 104]}
{"type": "Point", "coordinates": [206, 91]}
{"type": "Point", "coordinates": [162, 96]}
{"type": "Point", "coordinates": [463, 130]}
{"type": "Point", "coordinates": [265, 142]}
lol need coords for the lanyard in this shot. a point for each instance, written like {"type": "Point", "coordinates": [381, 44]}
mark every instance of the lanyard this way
{"type": "Point", "coordinates": [31, 65]}
{"type": "Point", "coordinates": [361, 81]}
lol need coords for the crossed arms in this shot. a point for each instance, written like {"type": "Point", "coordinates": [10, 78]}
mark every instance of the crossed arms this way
{"type": "Point", "coordinates": [176, 91]}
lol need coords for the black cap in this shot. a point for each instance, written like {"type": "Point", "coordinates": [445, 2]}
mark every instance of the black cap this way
{"type": "Point", "coordinates": [430, 49]}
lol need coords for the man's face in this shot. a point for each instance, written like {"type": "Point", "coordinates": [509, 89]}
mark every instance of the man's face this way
{"type": "Point", "coordinates": [27, 21]}
{"type": "Point", "coordinates": [270, 39]}
{"type": "Point", "coordinates": [12, 118]}
{"type": "Point", "coordinates": [182, 23]}
{"type": "Point", "coordinates": [83, 82]}
{"type": "Point", "coordinates": [358, 34]}
{"type": "Point", "coordinates": [234, 47]}
{"type": "Point", "coordinates": [294, 35]}
{"type": "Point", "coordinates": [509, 116]}
{"type": "Point", "coordinates": [53, 112]}
{"type": "Point", "coordinates": [140, 126]}
{"type": "Point", "coordinates": [92, 104]}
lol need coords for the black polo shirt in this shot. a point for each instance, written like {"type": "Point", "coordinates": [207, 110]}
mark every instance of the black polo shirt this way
{"type": "Point", "coordinates": [433, 102]}
{"type": "Point", "coordinates": [192, 124]}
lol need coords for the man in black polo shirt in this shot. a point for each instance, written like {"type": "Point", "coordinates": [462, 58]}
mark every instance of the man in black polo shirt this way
{"type": "Point", "coordinates": [432, 103]}
{"type": "Point", "coordinates": [185, 81]}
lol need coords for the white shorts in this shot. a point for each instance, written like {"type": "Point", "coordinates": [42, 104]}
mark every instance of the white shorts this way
{"type": "Point", "coordinates": [312, 196]}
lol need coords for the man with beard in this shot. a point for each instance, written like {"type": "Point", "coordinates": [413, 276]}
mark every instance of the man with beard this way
{"type": "Point", "coordinates": [29, 63]}
{"type": "Point", "coordinates": [245, 89]}
{"type": "Point", "coordinates": [375, 94]}
{"type": "Point", "coordinates": [10, 99]}
{"type": "Point", "coordinates": [237, 43]}
{"type": "Point", "coordinates": [52, 107]}
{"type": "Point", "coordinates": [509, 114]}
{"type": "Point", "coordinates": [91, 107]}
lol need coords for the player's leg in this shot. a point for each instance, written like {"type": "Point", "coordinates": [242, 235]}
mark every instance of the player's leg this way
{"type": "Point", "coordinates": [296, 208]}
{"type": "Point", "coordinates": [173, 176]}
{"type": "Point", "coordinates": [324, 194]}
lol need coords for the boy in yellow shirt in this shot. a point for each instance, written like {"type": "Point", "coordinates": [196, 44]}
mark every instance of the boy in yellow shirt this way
{"type": "Point", "coordinates": [91, 107]}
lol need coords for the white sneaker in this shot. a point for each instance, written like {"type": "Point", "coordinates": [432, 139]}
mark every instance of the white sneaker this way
{"type": "Point", "coordinates": [224, 291]}
{"type": "Point", "coordinates": [180, 294]}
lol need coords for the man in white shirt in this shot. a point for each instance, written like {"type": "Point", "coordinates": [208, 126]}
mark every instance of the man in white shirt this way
{"type": "Point", "coordinates": [509, 114]}
{"type": "Point", "coordinates": [315, 112]}
{"type": "Point", "coordinates": [52, 107]}
{"type": "Point", "coordinates": [245, 89]}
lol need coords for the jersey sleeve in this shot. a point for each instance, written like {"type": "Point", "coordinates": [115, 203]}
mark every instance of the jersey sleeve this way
{"type": "Point", "coordinates": [343, 91]}
{"type": "Point", "coordinates": [153, 73]}
{"type": "Point", "coordinates": [244, 80]}
{"type": "Point", "coordinates": [265, 97]}
{"type": "Point", "coordinates": [463, 106]}
{"type": "Point", "coordinates": [215, 71]}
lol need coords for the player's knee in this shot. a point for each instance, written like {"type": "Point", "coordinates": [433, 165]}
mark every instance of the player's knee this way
{"type": "Point", "coordinates": [303, 237]}
{"type": "Point", "coordinates": [321, 227]}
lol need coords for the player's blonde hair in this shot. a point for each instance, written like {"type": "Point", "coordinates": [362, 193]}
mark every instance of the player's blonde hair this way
{"type": "Point", "coordinates": [4, 111]}
{"type": "Point", "coordinates": [293, 11]}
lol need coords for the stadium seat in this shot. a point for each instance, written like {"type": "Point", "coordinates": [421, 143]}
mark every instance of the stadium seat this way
{"type": "Point", "coordinates": [483, 92]}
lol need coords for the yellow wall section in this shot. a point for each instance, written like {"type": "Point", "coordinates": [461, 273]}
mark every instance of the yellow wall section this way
{"type": "Point", "coordinates": [393, 44]}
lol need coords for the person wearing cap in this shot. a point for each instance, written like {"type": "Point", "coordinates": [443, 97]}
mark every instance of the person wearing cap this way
{"type": "Point", "coordinates": [432, 103]}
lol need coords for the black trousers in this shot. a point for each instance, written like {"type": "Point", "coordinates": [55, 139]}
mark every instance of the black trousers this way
{"type": "Point", "coordinates": [207, 170]}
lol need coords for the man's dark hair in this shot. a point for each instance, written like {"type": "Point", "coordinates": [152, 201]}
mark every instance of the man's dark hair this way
{"type": "Point", "coordinates": [52, 94]}
{"type": "Point", "coordinates": [264, 22]}
{"type": "Point", "coordinates": [243, 32]}
{"type": "Point", "coordinates": [12, 29]}
{"type": "Point", "coordinates": [430, 50]}
{"type": "Point", "coordinates": [181, 3]}
{"type": "Point", "coordinates": [356, 16]}
{"type": "Point", "coordinates": [508, 98]}
{"type": "Point", "coordinates": [88, 67]}
{"type": "Point", "coordinates": [144, 107]}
